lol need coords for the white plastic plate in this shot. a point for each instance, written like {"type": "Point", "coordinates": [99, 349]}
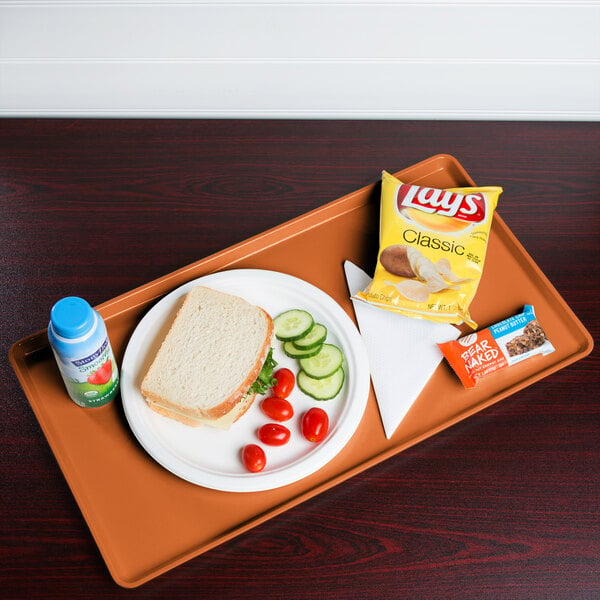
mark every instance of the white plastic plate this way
{"type": "Point", "coordinates": [211, 457]}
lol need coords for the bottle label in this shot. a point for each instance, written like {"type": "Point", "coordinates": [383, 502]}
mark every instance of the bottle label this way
{"type": "Point", "coordinates": [91, 380]}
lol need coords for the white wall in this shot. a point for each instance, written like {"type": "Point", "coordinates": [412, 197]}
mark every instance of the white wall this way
{"type": "Point", "coordinates": [406, 60]}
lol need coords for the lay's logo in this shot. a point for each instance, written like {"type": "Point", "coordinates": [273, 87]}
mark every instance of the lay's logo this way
{"type": "Point", "coordinates": [466, 207]}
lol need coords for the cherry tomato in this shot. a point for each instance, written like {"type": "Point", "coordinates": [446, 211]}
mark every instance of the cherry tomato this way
{"type": "Point", "coordinates": [278, 409]}
{"type": "Point", "coordinates": [254, 458]}
{"type": "Point", "coordinates": [274, 434]}
{"type": "Point", "coordinates": [285, 382]}
{"type": "Point", "coordinates": [315, 424]}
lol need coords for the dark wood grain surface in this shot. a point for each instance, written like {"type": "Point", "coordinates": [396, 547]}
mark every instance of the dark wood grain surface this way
{"type": "Point", "coordinates": [503, 505]}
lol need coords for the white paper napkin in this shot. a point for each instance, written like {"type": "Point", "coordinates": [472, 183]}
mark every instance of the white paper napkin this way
{"type": "Point", "coordinates": [403, 352]}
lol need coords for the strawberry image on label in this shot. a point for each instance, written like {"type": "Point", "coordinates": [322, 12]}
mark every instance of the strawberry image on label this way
{"type": "Point", "coordinates": [101, 375]}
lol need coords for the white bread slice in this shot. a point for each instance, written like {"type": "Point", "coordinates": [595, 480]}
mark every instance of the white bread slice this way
{"type": "Point", "coordinates": [212, 353]}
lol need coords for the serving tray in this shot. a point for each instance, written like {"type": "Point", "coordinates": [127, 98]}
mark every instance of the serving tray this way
{"type": "Point", "coordinates": [121, 490]}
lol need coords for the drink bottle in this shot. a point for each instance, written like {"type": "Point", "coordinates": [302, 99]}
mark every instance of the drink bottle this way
{"type": "Point", "coordinates": [83, 353]}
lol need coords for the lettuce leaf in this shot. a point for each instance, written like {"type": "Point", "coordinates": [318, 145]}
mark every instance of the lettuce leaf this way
{"type": "Point", "coordinates": [265, 379]}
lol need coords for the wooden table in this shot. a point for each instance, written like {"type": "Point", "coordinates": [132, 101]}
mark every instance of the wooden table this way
{"type": "Point", "coordinates": [503, 505]}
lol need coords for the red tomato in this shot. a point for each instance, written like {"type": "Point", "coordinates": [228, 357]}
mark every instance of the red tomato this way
{"type": "Point", "coordinates": [285, 382]}
{"type": "Point", "coordinates": [274, 434]}
{"type": "Point", "coordinates": [315, 424]}
{"type": "Point", "coordinates": [278, 409]}
{"type": "Point", "coordinates": [254, 458]}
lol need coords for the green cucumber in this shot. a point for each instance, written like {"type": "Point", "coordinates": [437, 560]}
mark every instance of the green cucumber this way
{"type": "Point", "coordinates": [292, 324]}
{"type": "Point", "coordinates": [325, 363]}
{"type": "Point", "coordinates": [290, 350]}
{"type": "Point", "coordinates": [314, 338]}
{"type": "Point", "coordinates": [321, 389]}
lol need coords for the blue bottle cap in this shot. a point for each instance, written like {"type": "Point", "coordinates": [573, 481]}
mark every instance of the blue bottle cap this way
{"type": "Point", "coordinates": [72, 317]}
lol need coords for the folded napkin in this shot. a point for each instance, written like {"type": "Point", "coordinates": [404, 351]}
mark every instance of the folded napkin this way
{"type": "Point", "coordinates": [403, 352]}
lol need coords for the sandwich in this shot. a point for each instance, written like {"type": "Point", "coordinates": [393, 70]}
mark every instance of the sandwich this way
{"type": "Point", "coordinates": [215, 358]}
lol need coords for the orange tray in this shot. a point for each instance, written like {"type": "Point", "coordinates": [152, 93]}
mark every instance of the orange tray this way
{"type": "Point", "coordinates": [121, 490]}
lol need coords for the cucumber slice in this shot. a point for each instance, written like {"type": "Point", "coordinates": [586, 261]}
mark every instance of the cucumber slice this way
{"type": "Point", "coordinates": [290, 350]}
{"type": "Point", "coordinates": [292, 324]}
{"type": "Point", "coordinates": [321, 389]}
{"type": "Point", "coordinates": [314, 338]}
{"type": "Point", "coordinates": [323, 364]}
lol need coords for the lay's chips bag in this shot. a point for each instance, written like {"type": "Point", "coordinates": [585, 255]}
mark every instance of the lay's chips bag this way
{"type": "Point", "coordinates": [432, 246]}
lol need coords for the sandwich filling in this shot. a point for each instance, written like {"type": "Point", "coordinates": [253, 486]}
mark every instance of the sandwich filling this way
{"type": "Point", "coordinates": [265, 379]}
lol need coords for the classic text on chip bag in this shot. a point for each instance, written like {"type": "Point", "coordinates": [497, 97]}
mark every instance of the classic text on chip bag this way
{"type": "Point", "coordinates": [432, 247]}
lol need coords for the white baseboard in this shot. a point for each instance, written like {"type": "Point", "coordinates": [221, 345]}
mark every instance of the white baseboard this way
{"type": "Point", "coordinates": [397, 60]}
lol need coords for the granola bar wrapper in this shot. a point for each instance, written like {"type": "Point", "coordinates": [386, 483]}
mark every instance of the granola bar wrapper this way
{"type": "Point", "coordinates": [432, 247]}
{"type": "Point", "coordinates": [499, 346]}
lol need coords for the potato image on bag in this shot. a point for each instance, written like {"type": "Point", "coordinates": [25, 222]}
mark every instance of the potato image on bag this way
{"type": "Point", "coordinates": [394, 259]}
{"type": "Point", "coordinates": [406, 261]}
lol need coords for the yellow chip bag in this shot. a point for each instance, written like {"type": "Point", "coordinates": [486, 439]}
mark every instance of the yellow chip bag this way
{"type": "Point", "coordinates": [432, 246]}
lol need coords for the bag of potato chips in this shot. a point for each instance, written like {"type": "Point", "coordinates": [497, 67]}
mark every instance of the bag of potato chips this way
{"type": "Point", "coordinates": [432, 246]}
